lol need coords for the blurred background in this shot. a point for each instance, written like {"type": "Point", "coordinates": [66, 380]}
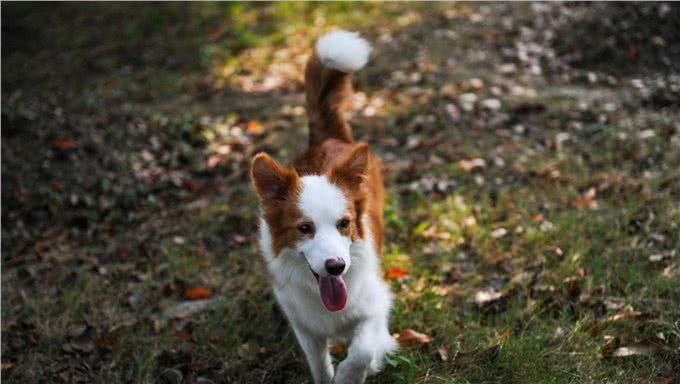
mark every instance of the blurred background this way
{"type": "Point", "coordinates": [531, 156]}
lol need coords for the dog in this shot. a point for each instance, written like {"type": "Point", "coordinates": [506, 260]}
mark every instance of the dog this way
{"type": "Point", "coordinates": [321, 225]}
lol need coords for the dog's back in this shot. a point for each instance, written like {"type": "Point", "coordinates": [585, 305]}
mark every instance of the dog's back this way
{"type": "Point", "coordinates": [328, 88]}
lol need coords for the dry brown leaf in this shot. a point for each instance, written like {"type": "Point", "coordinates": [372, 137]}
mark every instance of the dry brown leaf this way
{"type": "Point", "coordinates": [336, 348]}
{"type": "Point", "coordinates": [587, 199]}
{"type": "Point", "coordinates": [63, 144]}
{"type": "Point", "coordinates": [410, 338]}
{"type": "Point", "coordinates": [183, 335]}
{"type": "Point", "coordinates": [190, 185]}
{"type": "Point", "coordinates": [197, 293]}
{"type": "Point", "coordinates": [624, 315]}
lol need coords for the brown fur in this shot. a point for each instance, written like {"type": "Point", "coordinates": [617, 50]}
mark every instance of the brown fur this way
{"type": "Point", "coordinates": [333, 152]}
{"type": "Point", "coordinates": [326, 90]}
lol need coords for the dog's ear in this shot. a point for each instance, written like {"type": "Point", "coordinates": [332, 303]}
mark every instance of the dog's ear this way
{"type": "Point", "coordinates": [272, 181]}
{"type": "Point", "coordinates": [353, 170]}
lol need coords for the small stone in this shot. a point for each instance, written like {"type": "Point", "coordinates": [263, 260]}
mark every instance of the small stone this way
{"type": "Point", "coordinates": [453, 112]}
{"type": "Point", "coordinates": [507, 69]}
{"type": "Point", "coordinates": [498, 233]}
{"type": "Point", "coordinates": [491, 104]}
{"type": "Point", "coordinates": [592, 77]}
{"type": "Point", "coordinates": [476, 84]}
{"type": "Point", "coordinates": [646, 134]}
{"type": "Point", "coordinates": [467, 101]}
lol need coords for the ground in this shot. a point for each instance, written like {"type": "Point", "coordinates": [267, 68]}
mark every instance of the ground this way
{"type": "Point", "coordinates": [531, 159]}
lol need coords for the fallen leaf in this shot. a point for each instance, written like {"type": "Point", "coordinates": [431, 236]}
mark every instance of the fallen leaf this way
{"type": "Point", "coordinates": [634, 350]}
{"type": "Point", "coordinates": [396, 273]}
{"type": "Point", "coordinates": [109, 341]}
{"type": "Point", "coordinates": [487, 296]}
{"type": "Point", "coordinates": [470, 165]}
{"type": "Point", "coordinates": [587, 199]}
{"type": "Point", "coordinates": [191, 185]}
{"type": "Point", "coordinates": [662, 256]}
{"type": "Point", "coordinates": [214, 161]}
{"type": "Point", "coordinates": [443, 352]}
{"type": "Point", "coordinates": [410, 338]}
{"type": "Point", "coordinates": [254, 127]}
{"type": "Point", "coordinates": [197, 293]}
{"type": "Point", "coordinates": [624, 315]}
{"type": "Point", "coordinates": [538, 218]}
{"type": "Point", "coordinates": [668, 271]}
{"type": "Point", "coordinates": [183, 335]}
{"type": "Point", "coordinates": [63, 144]}
{"type": "Point", "coordinates": [336, 348]}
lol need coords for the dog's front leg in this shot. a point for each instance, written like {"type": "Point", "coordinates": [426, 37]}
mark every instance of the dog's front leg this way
{"type": "Point", "coordinates": [318, 358]}
{"type": "Point", "coordinates": [366, 345]}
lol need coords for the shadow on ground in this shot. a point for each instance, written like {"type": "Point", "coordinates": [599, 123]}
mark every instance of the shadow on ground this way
{"type": "Point", "coordinates": [531, 161]}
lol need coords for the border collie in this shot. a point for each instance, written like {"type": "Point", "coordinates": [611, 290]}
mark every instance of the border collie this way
{"type": "Point", "coordinates": [321, 225]}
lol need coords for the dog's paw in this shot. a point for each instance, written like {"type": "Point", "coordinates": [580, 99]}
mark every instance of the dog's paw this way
{"type": "Point", "coordinates": [349, 374]}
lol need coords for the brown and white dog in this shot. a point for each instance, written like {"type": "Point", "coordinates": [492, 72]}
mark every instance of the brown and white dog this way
{"type": "Point", "coordinates": [321, 225]}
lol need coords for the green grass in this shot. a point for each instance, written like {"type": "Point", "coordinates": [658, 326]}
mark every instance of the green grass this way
{"type": "Point", "coordinates": [563, 269]}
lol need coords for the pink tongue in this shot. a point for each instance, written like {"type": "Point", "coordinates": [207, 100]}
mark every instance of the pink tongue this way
{"type": "Point", "coordinates": [333, 292]}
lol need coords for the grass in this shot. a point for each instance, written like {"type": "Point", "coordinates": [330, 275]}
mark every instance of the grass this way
{"type": "Point", "coordinates": [155, 199]}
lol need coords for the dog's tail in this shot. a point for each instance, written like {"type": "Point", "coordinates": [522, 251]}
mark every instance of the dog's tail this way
{"type": "Point", "coordinates": [328, 83]}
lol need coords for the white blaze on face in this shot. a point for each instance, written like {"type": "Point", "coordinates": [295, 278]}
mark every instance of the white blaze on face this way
{"type": "Point", "coordinates": [324, 204]}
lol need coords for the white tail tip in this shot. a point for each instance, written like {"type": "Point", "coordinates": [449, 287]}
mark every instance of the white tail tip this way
{"type": "Point", "coordinates": [343, 50]}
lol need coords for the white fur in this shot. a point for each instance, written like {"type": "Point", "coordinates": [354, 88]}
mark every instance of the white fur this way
{"type": "Point", "coordinates": [343, 50]}
{"type": "Point", "coordinates": [364, 320]}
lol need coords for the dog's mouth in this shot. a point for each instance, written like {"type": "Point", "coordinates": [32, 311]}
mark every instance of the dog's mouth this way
{"type": "Point", "coordinates": [332, 289]}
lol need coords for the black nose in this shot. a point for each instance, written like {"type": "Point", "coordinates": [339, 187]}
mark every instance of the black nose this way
{"type": "Point", "coordinates": [335, 266]}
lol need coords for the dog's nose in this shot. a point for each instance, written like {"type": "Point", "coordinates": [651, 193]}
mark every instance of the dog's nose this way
{"type": "Point", "coordinates": [335, 266]}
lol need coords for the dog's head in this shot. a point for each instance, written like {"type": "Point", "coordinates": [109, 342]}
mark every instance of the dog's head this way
{"type": "Point", "coordinates": [317, 216]}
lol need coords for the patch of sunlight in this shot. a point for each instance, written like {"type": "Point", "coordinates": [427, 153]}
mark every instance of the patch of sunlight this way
{"type": "Point", "coordinates": [275, 44]}
{"type": "Point", "coordinates": [450, 221]}
{"type": "Point", "coordinates": [409, 18]}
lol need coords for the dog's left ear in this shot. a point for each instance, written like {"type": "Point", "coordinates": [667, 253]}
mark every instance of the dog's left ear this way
{"type": "Point", "coordinates": [353, 170]}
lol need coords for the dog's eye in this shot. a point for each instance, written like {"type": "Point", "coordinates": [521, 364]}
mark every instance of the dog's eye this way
{"type": "Point", "coordinates": [343, 224]}
{"type": "Point", "coordinates": [305, 228]}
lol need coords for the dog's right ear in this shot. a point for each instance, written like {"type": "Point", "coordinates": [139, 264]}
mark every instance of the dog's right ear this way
{"type": "Point", "coordinates": [272, 181]}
